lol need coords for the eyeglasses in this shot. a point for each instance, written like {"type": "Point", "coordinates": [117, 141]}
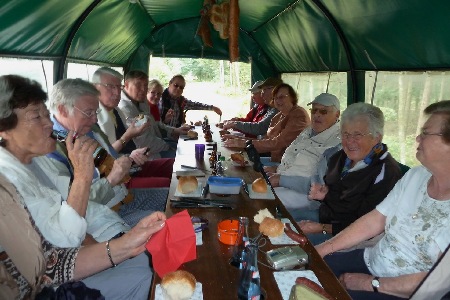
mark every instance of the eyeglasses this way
{"type": "Point", "coordinates": [89, 114]}
{"type": "Point", "coordinates": [356, 136]}
{"type": "Point", "coordinates": [424, 133]}
{"type": "Point", "coordinates": [110, 86]}
{"type": "Point", "coordinates": [321, 111]}
{"type": "Point", "coordinates": [181, 87]}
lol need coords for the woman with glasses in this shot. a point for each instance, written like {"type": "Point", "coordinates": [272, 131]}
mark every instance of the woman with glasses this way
{"type": "Point", "coordinates": [174, 105]}
{"type": "Point", "coordinates": [41, 229]}
{"type": "Point", "coordinates": [284, 127]}
{"type": "Point", "coordinates": [358, 177]}
{"type": "Point", "coordinates": [415, 219]}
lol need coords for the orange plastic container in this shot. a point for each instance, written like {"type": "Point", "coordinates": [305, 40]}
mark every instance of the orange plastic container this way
{"type": "Point", "coordinates": [227, 231]}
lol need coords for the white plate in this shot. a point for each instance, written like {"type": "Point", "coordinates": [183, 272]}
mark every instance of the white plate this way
{"type": "Point", "coordinates": [196, 193]}
{"type": "Point", "coordinates": [268, 196]}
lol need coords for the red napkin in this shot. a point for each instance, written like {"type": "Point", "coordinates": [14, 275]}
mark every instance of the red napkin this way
{"type": "Point", "coordinates": [173, 245]}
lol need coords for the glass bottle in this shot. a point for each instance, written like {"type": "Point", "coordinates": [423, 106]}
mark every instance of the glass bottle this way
{"type": "Point", "coordinates": [249, 282]}
{"type": "Point", "coordinates": [242, 241]}
{"type": "Point", "coordinates": [100, 154]}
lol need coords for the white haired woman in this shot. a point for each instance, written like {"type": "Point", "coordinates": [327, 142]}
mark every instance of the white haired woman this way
{"type": "Point", "coordinates": [358, 177]}
{"type": "Point", "coordinates": [415, 219]}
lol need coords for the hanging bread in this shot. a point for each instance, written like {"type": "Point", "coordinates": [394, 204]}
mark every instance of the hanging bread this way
{"type": "Point", "coordinates": [219, 19]}
{"type": "Point", "coordinates": [233, 42]}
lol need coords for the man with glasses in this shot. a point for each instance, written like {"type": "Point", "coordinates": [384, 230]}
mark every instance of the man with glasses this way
{"type": "Point", "coordinates": [154, 173]}
{"type": "Point", "coordinates": [305, 160]}
{"type": "Point", "coordinates": [174, 105]}
{"type": "Point", "coordinates": [260, 127]}
{"type": "Point", "coordinates": [160, 138]}
{"type": "Point", "coordinates": [74, 105]}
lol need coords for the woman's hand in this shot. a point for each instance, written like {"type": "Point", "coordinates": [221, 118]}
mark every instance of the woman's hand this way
{"type": "Point", "coordinates": [356, 281]}
{"type": "Point", "coordinates": [317, 192]}
{"type": "Point", "coordinates": [81, 153]}
{"type": "Point", "coordinates": [138, 236]}
{"type": "Point", "coordinates": [139, 156]}
{"type": "Point", "coordinates": [275, 180]}
{"type": "Point", "coordinates": [308, 226]}
{"type": "Point", "coordinates": [235, 143]}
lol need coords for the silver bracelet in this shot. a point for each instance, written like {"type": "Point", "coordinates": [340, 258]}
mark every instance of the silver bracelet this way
{"type": "Point", "coordinates": [109, 254]}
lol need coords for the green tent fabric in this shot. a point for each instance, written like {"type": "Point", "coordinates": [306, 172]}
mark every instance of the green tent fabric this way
{"type": "Point", "coordinates": [278, 36]}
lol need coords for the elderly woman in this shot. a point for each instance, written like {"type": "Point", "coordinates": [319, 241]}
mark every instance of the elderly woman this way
{"type": "Point", "coordinates": [25, 136]}
{"type": "Point", "coordinates": [284, 127]}
{"type": "Point", "coordinates": [174, 105]}
{"type": "Point", "coordinates": [358, 177]}
{"type": "Point", "coordinates": [415, 218]}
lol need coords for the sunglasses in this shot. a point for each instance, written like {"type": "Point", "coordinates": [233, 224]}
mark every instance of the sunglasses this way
{"type": "Point", "coordinates": [181, 87]}
{"type": "Point", "coordinates": [321, 111]}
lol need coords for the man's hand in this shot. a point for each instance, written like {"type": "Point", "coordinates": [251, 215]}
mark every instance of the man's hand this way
{"type": "Point", "coordinates": [121, 167]}
{"type": "Point", "coordinates": [317, 192]}
{"type": "Point", "coordinates": [229, 125]}
{"type": "Point", "coordinates": [308, 226]}
{"type": "Point", "coordinates": [139, 156]}
{"type": "Point", "coordinates": [356, 281]}
{"type": "Point", "coordinates": [183, 130]}
{"type": "Point", "coordinates": [217, 110]}
{"type": "Point", "coordinates": [275, 180]}
{"type": "Point", "coordinates": [134, 131]}
{"type": "Point", "coordinates": [169, 116]}
{"type": "Point", "coordinates": [270, 169]}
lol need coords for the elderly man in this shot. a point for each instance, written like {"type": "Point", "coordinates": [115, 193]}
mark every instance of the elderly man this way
{"type": "Point", "coordinates": [260, 127]}
{"type": "Point", "coordinates": [300, 162]}
{"type": "Point", "coordinates": [153, 173]}
{"type": "Point", "coordinates": [133, 102]}
{"type": "Point", "coordinates": [258, 110]}
{"type": "Point", "coordinates": [74, 106]}
{"type": "Point", "coordinates": [174, 104]}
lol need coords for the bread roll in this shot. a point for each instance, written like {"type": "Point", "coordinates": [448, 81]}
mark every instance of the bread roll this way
{"type": "Point", "coordinates": [198, 123]}
{"type": "Point", "coordinates": [259, 186]}
{"type": "Point", "coordinates": [238, 158]}
{"type": "Point", "coordinates": [187, 184]}
{"type": "Point", "coordinates": [178, 285]}
{"type": "Point", "coordinates": [192, 134]}
{"type": "Point", "coordinates": [271, 227]}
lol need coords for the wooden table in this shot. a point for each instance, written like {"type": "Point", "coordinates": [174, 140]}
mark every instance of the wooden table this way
{"type": "Point", "coordinates": [219, 279]}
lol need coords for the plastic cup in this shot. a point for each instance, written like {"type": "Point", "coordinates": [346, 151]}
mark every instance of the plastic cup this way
{"type": "Point", "coordinates": [199, 151]}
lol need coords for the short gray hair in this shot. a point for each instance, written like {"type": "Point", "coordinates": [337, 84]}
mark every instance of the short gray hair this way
{"type": "Point", "coordinates": [96, 78]}
{"type": "Point", "coordinates": [373, 114]}
{"type": "Point", "coordinates": [67, 92]}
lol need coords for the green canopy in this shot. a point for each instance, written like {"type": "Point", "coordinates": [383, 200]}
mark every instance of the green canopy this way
{"type": "Point", "coordinates": [278, 36]}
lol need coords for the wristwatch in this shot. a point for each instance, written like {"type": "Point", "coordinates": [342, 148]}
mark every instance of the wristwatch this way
{"type": "Point", "coordinates": [376, 283]}
{"type": "Point", "coordinates": [323, 229]}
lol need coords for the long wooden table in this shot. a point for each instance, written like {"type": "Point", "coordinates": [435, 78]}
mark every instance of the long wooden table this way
{"type": "Point", "coordinates": [219, 279]}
